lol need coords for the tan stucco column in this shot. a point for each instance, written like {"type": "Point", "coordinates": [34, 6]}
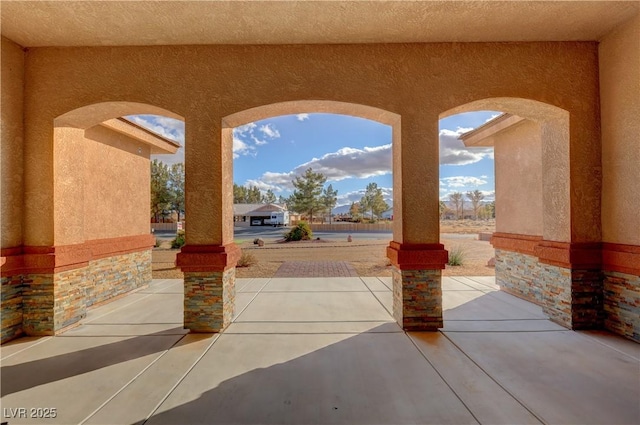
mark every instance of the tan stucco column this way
{"type": "Point", "coordinates": [416, 254]}
{"type": "Point", "coordinates": [209, 257]}
{"type": "Point", "coordinates": [570, 251]}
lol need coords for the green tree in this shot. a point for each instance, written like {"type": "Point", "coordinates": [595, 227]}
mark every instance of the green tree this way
{"type": "Point", "coordinates": [306, 197]}
{"type": "Point", "coordinates": [176, 188]}
{"type": "Point", "coordinates": [254, 196]}
{"type": "Point", "coordinates": [329, 199]}
{"type": "Point", "coordinates": [456, 199]}
{"type": "Point", "coordinates": [248, 195]}
{"type": "Point", "coordinates": [373, 201]}
{"type": "Point", "coordinates": [239, 194]}
{"type": "Point", "coordinates": [269, 197]}
{"type": "Point", "coordinates": [475, 197]}
{"type": "Point", "coordinates": [160, 193]}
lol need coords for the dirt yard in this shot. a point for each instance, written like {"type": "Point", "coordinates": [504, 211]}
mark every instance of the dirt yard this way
{"type": "Point", "coordinates": [368, 257]}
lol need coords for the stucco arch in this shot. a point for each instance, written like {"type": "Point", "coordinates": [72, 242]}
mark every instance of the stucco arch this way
{"type": "Point", "coordinates": [546, 153]}
{"type": "Point", "coordinates": [555, 144]}
{"type": "Point", "coordinates": [323, 106]}
{"type": "Point", "coordinates": [526, 108]}
{"type": "Point", "coordinates": [90, 115]}
{"type": "Point", "coordinates": [51, 209]}
{"type": "Point", "coordinates": [318, 106]}
{"type": "Point", "coordinates": [333, 107]}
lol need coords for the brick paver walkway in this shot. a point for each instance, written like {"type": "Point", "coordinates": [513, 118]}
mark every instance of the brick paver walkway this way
{"type": "Point", "coordinates": [316, 269]}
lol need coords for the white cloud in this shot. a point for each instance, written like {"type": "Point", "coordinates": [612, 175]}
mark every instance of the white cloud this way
{"type": "Point", "coordinates": [492, 117]}
{"type": "Point", "coordinates": [356, 196]}
{"type": "Point", "coordinates": [241, 148]}
{"type": "Point", "coordinates": [351, 163]}
{"type": "Point", "coordinates": [244, 129]}
{"type": "Point", "coordinates": [462, 181]}
{"type": "Point", "coordinates": [169, 128]}
{"type": "Point", "coordinates": [454, 152]}
{"type": "Point", "coordinates": [270, 131]}
{"type": "Point", "coordinates": [343, 164]}
{"type": "Point", "coordinates": [164, 126]}
{"type": "Point", "coordinates": [258, 142]}
{"type": "Point", "coordinates": [302, 117]}
{"type": "Point", "coordinates": [463, 184]}
{"type": "Point", "coordinates": [252, 136]}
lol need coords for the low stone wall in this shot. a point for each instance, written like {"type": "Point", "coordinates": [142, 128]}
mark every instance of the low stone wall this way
{"type": "Point", "coordinates": [519, 274]}
{"type": "Point", "coordinates": [113, 276]}
{"type": "Point", "coordinates": [572, 298]}
{"type": "Point", "coordinates": [622, 304]}
{"type": "Point", "coordinates": [46, 303]}
{"type": "Point", "coordinates": [12, 307]}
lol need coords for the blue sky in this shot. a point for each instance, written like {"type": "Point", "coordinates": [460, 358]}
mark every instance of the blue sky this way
{"type": "Point", "coordinates": [352, 152]}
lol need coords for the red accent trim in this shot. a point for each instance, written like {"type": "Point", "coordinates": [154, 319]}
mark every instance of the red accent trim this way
{"type": "Point", "coordinates": [621, 258]}
{"type": "Point", "coordinates": [55, 259]}
{"type": "Point", "coordinates": [206, 258]}
{"type": "Point", "coordinates": [577, 255]}
{"type": "Point", "coordinates": [524, 244]}
{"type": "Point", "coordinates": [417, 256]}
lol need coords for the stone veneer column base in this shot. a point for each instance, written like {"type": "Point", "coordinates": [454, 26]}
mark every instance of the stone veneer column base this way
{"type": "Point", "coordinates": [417, 299]}
{"type": "Point", "coordinates": [572, 298]}
{"type": "Point", "coordinates": [417, 284]}
{"type": "Point", "coordinates": [12, 310]}
{"type": "Point", "coordinates": [209, 299]}
{"type": "Point", "coordinates": [622, 304]}
{"type": "Point", "coordinates": [47, 303]}
{"type": "Point", "coordinates": [209, 285]}
{"type": "Point", "coordinates": [53, 302]}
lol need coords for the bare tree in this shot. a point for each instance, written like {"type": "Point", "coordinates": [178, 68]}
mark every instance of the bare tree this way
{"type": "Point", "coordinates": [475, 197]}
{"type": "Point", "coordinates": [456, 199]}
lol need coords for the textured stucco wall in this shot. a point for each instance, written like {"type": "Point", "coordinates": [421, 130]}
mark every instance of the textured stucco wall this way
{"type": "Point", "coordinates": [518, 159]}
{"type": "Point", "coordinates": [116, 185]}
{"type": "Point", "coordinates": [620, 114]}
{"type": "Point", "coordinates": [12, 134]}
{"type": "Point", "coordinates": [416, 81]}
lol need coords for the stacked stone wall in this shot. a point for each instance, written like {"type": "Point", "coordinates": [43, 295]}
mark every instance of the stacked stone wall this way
{"type": "Point", "coordinates": [572, 298]}
{"type": "Point", "coordinates": [113, 276]}
{"type": "Point", "coordinates": [12, 307]}
{"type": "Point", "coordinates": [209, 300]}
{"type": "Point", "coordinates": [519, 274]}
{"type": "Point", "coordinates": [38, 304]}
{"type": "Point", "coordinates": [417, 299]}
{"type": "Point", "coordinates": [622, 304]}
{"type": "Point", "coordinates": [587, 299]}
{"type": "Point", "coordinates": [46, 303]}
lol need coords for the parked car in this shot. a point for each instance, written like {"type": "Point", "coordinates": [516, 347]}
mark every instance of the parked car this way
{"type": "Point", "coordinates": [256, 222]}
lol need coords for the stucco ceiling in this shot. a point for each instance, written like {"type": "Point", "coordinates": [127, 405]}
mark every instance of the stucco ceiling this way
{"type": "Point", "coordinates": [116, 23]}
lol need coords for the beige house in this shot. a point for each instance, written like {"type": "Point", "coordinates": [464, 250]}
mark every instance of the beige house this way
{"type": "Point", "coordinates": [575, 85]}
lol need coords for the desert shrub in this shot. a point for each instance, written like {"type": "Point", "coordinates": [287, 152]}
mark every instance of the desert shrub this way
{"type": "Point", "coordinates": [301, 232]}
{"type": "Point", "coordinates": [179, 240]}
{"type": "Point", "coordinates": [457, 255]}
{"type": "Point", "coordinates": [247, 259]}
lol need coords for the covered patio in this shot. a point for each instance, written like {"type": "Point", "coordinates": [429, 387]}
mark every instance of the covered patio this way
{"type": "Point", "coordinates": [323, 350]}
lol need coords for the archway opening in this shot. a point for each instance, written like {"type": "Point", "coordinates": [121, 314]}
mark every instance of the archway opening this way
{"type": "Point", "coordinates": [278, 150]}
{"type": "Point", "coordinates": [530, 143]}
{"type": "Point", "coordinates": [98, 222]}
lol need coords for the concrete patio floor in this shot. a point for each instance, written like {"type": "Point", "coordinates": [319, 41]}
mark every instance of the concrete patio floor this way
{"type": "Point", "coordinates": [323, 351]}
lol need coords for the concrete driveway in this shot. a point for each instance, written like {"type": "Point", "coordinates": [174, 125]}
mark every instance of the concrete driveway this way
{"type": "Point", "coordinates": [322, 351]}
